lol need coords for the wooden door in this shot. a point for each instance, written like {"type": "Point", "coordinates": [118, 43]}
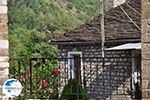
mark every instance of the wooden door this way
{"type": "Point", "coordinates": [77, 67]}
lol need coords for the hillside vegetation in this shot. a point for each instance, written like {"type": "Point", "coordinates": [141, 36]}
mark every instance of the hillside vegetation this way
{"type": "Point", "coordinates": [33, 22]}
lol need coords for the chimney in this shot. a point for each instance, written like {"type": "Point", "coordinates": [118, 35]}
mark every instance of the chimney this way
{"type": "Point", "coordinates": [109, 4]}
{"type": "Point", "coordinates": [115, 3]}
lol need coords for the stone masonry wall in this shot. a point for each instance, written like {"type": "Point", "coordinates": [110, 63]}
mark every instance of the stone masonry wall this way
{"type": "Point", "coordinates": [3, 46]}
{"type": "Point", "coordinates": [102, 82]}
{"type": "Point", "coordinates": [146, 49]}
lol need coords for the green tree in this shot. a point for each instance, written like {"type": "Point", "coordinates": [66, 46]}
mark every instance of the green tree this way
{"type": "Point", "coordinates": [32, 23]}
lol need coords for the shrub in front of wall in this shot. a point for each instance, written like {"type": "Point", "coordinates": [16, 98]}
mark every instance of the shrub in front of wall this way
{"type": "Point", "coordinates": [73, 91]}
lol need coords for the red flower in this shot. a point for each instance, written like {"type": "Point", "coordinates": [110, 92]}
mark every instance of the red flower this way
{"type": "Point", "coordinates": [39, 80]}
{"type": "Point", "coordinates": [26, 74]}
{"type": "Point", "coordinates": [44, 84]}
{"type": "Point", "coordinates": [57, 71]}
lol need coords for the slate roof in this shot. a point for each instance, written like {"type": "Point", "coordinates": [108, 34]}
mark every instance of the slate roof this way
{"type": "Point", "coordinates": [117, 25]}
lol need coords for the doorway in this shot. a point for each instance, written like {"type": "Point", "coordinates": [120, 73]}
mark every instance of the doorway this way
{"type": "Point", "coordinates": [75, 66]}
{"type": "Point", "coordinates": [136, 74]}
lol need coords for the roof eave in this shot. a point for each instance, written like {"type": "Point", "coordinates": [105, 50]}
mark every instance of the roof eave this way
{"type": "Point", "coordinates": [95, 42]}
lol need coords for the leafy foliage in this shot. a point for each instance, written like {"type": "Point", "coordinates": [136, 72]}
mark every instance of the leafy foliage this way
{"type": "Point", "coordinates": [73, 91]}
{"type": "Point", "coordinates": [43, 80]}
{"type": "Point", "coordinates": [33, 22]}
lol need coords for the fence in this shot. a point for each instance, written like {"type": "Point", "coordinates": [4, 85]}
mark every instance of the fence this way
{"type": "Point", "coordinates": [101, 78]}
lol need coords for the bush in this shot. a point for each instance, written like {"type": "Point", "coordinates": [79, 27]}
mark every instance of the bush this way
{"type": "Point", "coordinates": [73, 91]}
{"type": "Point", "coordinates": [45, 76]}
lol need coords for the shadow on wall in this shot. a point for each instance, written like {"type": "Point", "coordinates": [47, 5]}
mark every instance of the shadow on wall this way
{"type": "Point", "coordinates": [104, 80]}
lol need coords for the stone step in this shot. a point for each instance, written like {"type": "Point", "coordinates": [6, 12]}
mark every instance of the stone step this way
{"type": "Point", "coordinates": [120, 97]}
{"type": "Point", "coordinates": [112, 97]}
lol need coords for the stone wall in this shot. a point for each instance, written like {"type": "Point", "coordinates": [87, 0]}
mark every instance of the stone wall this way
{"type": "Point", "coordinates": [87, 50]}
{"type": "Point", "coordinates": [101, 82]}
{"type": "Point", "coordinates": [3, 45]}
{"type": "Point", "coordinates": [146, 49]}
{"type": "Point", "coordinates": [90, 50]}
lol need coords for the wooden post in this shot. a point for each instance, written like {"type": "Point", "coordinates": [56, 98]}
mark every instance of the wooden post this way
{"type": "Point", "coordinates": [102, 26]}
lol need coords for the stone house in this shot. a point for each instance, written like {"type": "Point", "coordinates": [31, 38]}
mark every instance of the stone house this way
{"type": "Point", "coordinates": [74, 43]}
{"type": "Point", "coordinates": [114, 76]}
